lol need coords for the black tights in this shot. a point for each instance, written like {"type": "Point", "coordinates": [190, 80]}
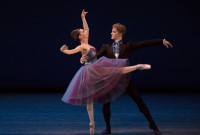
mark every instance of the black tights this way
{"type": "Point", "coordinates": [133, 92]}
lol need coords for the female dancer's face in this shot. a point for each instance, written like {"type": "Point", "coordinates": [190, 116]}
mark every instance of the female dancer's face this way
{"type": "Point", "coordinates": [115, 35]}
{"type": "Point", "coordinates": [83, 34]}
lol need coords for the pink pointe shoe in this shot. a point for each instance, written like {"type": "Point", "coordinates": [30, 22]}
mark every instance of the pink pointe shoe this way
{"type": "Point", "coordinates": [92, 128]}
{"type": "Point", "coordinates": [143, 66]}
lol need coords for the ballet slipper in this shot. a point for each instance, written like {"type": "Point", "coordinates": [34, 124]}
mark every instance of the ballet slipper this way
{"type": "Point", "coordinates": [143, 66]}
{"type": "Point", "coordinates": [92, 128]}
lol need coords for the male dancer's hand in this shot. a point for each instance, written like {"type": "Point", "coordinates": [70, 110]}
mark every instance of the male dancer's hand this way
{"type": "Point", "coordinates": [167, 43]}
{"type": "Point", "coordinates": [84, 58]}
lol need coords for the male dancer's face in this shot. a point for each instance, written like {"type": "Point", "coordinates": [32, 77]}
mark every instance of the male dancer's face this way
{"type": "Point", "coordinates": [115, 35]}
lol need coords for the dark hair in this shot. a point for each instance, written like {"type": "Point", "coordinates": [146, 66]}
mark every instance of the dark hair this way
{"type": "Point", "coordinates": [120, 28]}
{"type": "Point", "coordinates": [75, 34]}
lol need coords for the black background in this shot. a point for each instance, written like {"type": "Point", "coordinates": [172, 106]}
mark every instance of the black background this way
{"type": "Point", "coordinates": [31, 33]}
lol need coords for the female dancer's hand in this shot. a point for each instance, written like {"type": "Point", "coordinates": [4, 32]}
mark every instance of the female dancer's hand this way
{"type": "Point", "coordinates": [83, 14]}
{"type": "Point", "coordinates": [64, 47]}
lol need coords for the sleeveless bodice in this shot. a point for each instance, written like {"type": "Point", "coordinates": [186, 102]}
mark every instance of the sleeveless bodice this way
{"type": "Point", "coordinates": [98, 80]}
{"type": "Point", "coordinates": [91, 56]}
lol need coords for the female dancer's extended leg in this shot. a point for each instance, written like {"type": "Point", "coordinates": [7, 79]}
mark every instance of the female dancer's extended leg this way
{"type": "Point", "coordinates": [135, 67]}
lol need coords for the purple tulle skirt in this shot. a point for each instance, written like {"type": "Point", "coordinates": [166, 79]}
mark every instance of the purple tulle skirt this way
{"type": "Point", "coordinates": [101, 81]}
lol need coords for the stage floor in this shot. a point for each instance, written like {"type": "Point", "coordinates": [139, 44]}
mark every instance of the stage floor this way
{"type": "Point", "coordinates": [46, 114]}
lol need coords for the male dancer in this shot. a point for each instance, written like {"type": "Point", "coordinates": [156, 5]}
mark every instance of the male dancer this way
{"type": "Point", "coordinates": [119, 49]}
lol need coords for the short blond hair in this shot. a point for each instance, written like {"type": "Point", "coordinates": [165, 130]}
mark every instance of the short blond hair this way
{"type": "Point", "coordinates": [120, 28]}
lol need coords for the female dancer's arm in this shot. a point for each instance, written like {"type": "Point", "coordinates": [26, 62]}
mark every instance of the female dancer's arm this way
{"type": "Point", "coordinates": [65, 49]}
{"type": "Point", "coordinates": [85, 25]}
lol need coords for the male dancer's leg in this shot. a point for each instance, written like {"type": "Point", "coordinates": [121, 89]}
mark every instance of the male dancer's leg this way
{"type": "Point", "coordinates": [107, 115]}
{"type": "Point", "coordinates": [133, 92]}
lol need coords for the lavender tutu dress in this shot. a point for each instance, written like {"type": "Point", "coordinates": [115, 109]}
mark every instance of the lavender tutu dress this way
{"type": "Point", "coordinates": [98, 80]}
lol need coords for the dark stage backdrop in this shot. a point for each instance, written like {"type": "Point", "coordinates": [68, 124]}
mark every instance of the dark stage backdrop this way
{"type": "Point", "coordinates": [31, 33]}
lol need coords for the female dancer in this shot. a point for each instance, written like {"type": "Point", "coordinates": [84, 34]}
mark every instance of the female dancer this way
{"type": "Point", "coordinates": [99, 80]}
